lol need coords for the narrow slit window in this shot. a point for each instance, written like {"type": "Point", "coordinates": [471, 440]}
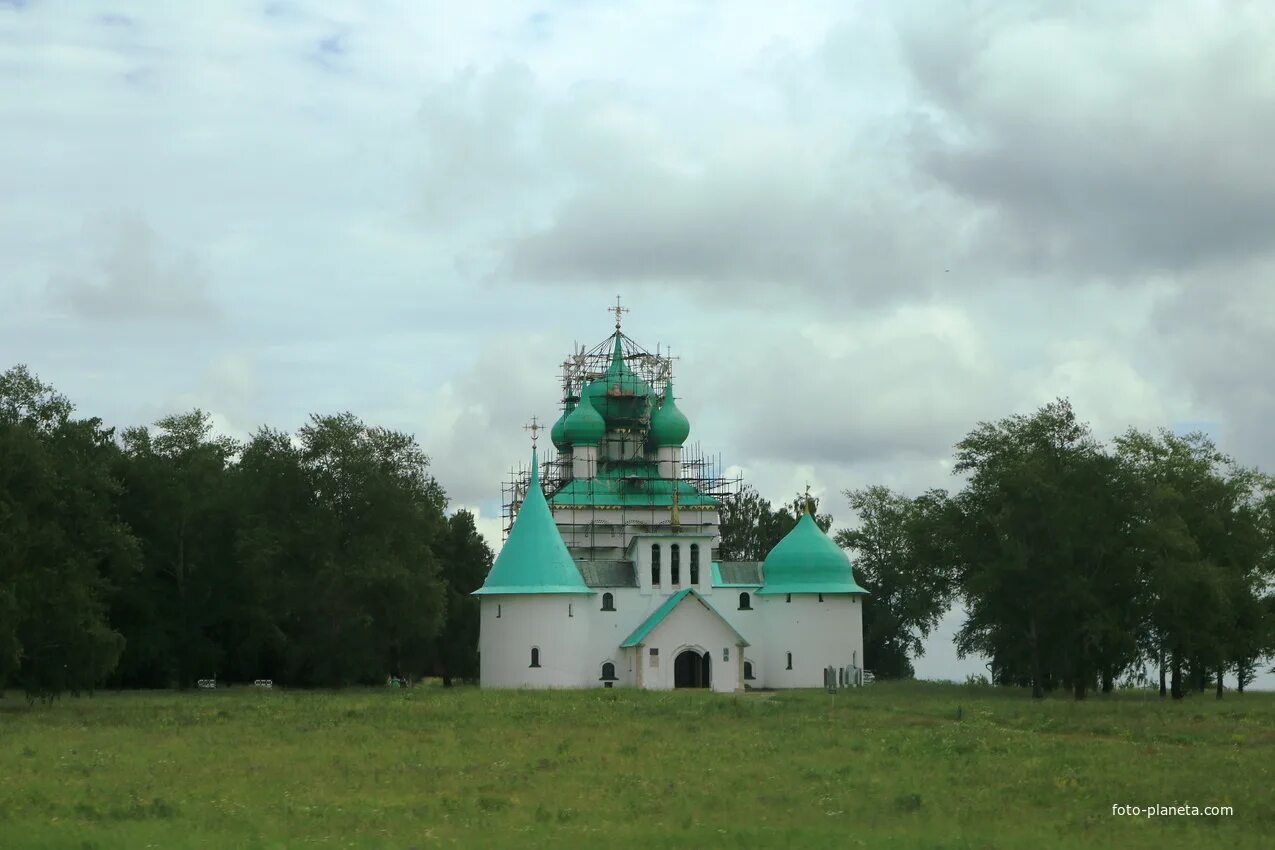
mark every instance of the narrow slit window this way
{"type": "Point", "coordinates": [789, 667]}
{"type": "Point", "coordinates": [694, 563]}
{"type": "Point", "coordinates": [655, 565]}
{"type": "Point", "coordinates": [675, 563]}
{"type": "Point", "coordinates": [535, 656]}
{"type": "Point", "coordinates": [497, 610]}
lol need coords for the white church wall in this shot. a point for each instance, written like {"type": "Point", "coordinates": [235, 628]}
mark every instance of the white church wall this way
{"type": "Point", "coordinates": [608, 629]}
{"type": "Point", "coordinates": [556, 624]}
{"type": "Point", "coordinates": [817, 634]}
{"type": "Point", "coordinates": [574, 648]}
{"type": "Point", "coordinates": [749, 622]}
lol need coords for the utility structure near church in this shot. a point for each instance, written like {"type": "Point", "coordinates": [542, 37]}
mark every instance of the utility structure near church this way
{"type": "Point", "coordinates": [609, 575]}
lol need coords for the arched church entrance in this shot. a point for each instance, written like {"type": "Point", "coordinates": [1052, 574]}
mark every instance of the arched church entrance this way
{"type": "Point", "coordinates": [692, 669]}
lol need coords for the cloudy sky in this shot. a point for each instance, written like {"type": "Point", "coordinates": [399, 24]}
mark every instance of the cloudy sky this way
{"type": "Point", "coordinates": [862, 227]}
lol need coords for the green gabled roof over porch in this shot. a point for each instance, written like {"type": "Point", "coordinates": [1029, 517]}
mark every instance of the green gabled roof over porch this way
{"type": "Point", "coordinates": [659, 614]}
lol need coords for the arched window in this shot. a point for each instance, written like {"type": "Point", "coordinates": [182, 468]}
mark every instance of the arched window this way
{"type": "Point", "coordinates": [655, 565]}
{"type": "Point", "coordinates": [745, 602]}
{"type": "Point", "coordinates": [748, 671]}
{"type": "Point", "coordinates": [608, 672]}
{"type": "Point", "coordinates": [675, 564]}
{"type": "Point", "coordinates": [608, 602]}
{"type": "Point", "coordinates": [694, 563]}
{"type": "Point", "coordinates": [535, 656]}
{"type": "Point", "coordinates": [789, 667]}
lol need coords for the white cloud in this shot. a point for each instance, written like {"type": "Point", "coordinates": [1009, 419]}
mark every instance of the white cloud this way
{"type": "Point", "coordinates": [863, 230]}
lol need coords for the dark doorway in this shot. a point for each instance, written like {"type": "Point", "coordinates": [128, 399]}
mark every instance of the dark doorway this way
{"type": "Point", "coordinates": [692, 669]}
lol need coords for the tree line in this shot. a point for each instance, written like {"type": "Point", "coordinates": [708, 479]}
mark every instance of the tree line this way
{"type": "Point", "coordinates": [155, 557]}
{"type": "Point", "coordinates": [160, 555]}
{"type": "Point", "coordinates": [1080, 564]}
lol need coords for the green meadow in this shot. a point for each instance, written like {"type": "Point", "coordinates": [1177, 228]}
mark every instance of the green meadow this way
{"type": "Point", "coordinates": [908, 765]}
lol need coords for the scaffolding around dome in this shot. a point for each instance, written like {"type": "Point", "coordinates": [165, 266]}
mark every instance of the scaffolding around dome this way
{"type": "Point", "coordinates": [699, 479]}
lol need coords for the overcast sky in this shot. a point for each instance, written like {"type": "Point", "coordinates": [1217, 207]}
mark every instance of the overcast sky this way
{"type": "Point", "coordinates": [862, 227]}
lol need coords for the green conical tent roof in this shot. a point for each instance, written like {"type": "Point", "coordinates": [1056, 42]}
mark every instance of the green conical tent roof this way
{"type": "Point", "coordinates": [808, 561]}
{"type": "Point", "coordinates": [669, 426]}
{"type": "Point", "coordinates": [534, 559]}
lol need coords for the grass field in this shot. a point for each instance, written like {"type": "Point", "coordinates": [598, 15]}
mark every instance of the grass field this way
{"type": "Point", "coordinates": [891, 765]}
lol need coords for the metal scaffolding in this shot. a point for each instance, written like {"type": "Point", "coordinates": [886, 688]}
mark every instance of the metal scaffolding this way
{"type": "Point", "coordinates": [702, 471]}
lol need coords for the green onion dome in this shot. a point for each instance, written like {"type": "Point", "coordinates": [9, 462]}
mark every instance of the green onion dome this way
{"type": "Point", "coordinates": [669, 426]}
{"type": "Point", "coordinates": [585, 426]}
{"type": "Point", "coordinates": [620, 396]}
{"type": "Point", "coordinates": [808, 561]}
{"type": "Point", "coordinates": [558, 433]}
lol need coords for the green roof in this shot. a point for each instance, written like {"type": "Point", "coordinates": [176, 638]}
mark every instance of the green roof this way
{"type": "Point", "coordinates": [534, 559]}
{"type": "Point", "coordinates": [638, 486]}
{"type": "Point", "coordinates": [658, 615]}
{"type": "Point", "coordinates": [608, 573]}
{"type": "Point", "coordinates": [808, 561]}
{"type": "Point", "coordinates": [737, 574]}
{"type": "Point", "coordinates": [669, 426]}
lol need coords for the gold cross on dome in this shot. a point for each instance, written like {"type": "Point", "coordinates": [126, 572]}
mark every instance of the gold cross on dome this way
{"type": "Point", "coordinates": [535, 428]}
{"type": "Point", "coordinates": [618, 310]}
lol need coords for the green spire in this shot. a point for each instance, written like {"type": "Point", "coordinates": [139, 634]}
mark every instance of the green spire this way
{"type": "Point", "coordinates": [534, 559]}
{"type": "Point", "coordinates": [669, 426]}
{"type": "Point", "coordinates": [585, 426]}
{"type": "Point", "coordinates": [808, 561]}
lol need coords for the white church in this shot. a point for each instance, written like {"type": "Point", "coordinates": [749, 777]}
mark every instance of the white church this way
{"type": "Point", "coordinates": [610, 575]}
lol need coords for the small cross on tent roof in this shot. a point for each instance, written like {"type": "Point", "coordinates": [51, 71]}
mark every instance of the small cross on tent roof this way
{"type": "Point", "coordinates": [535, 428]}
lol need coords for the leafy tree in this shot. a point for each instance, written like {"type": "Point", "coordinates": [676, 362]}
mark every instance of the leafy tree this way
{"type": "Point", "coordinates": [374, 599]}
{"type": "Point", "coordinates": [1204, 547]}
{"type": "Point", "coordinates": [902, 554]}
{"type": "Point", "coordinates": [465, 560]}
{"type": "Point", "coordinates": [1039, 547]}
{"type": "Point", "coordinates": [62, 545]}
{"type": "Point", "coordinates": [177, 500]}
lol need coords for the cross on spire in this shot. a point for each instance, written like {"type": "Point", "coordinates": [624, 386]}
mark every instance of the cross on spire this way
{"type": "Point", "coordinates": [535, 428]}
{"type": "Point", "coordinates": [808, 510]}
{"type": "Point", "coordinates": [619, 312]}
